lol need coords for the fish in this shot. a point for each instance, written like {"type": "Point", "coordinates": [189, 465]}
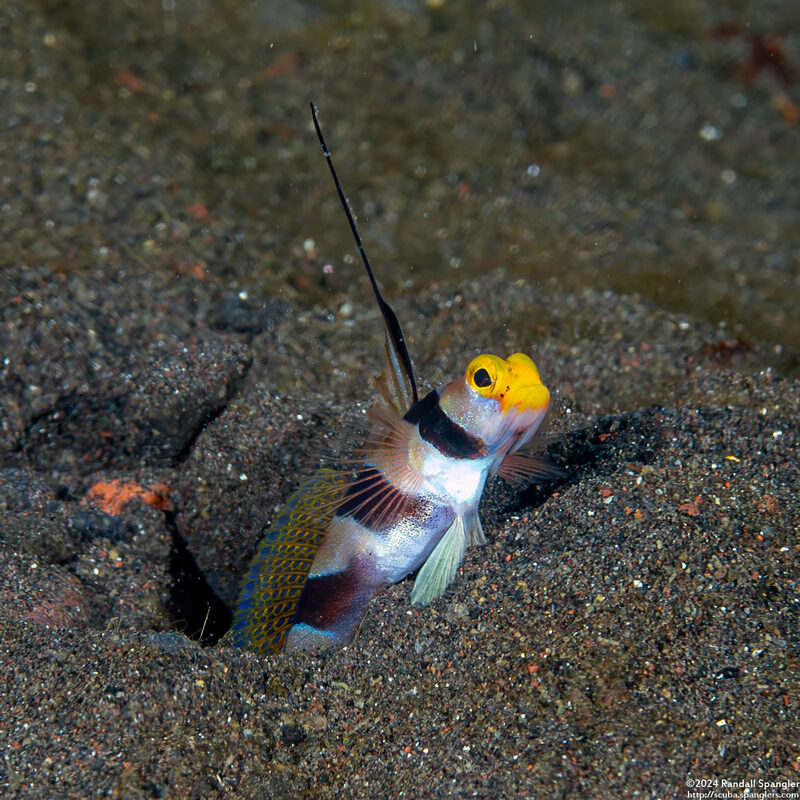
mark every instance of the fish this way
{"type": "Point", "coordinates": [410, 502]}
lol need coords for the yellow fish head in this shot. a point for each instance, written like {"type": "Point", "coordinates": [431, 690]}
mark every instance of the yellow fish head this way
{"type": "Point", "coordinates": [513, 382]}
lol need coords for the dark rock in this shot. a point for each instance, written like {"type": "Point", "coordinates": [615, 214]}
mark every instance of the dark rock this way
{"type": "Point", "coordinates": [231, 312]}
{"type": "Point", "coordinates": [25, 490]}
{"type": "Point", "coordinates": [172, 401]}
{"type": "Point", "coordinates": [89, 523]}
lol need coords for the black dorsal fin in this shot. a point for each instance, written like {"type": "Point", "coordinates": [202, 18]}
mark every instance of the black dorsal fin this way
{"type": "Point", "coordinates": [398, 378]}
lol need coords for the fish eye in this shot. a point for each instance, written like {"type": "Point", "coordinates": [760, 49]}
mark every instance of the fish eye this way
{"type": "Point", "coordinates": [481, 379]}
{"type": "Point", "coordinates": [482, 374]}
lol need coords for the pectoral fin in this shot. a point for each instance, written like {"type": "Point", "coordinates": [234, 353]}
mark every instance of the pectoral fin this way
{"type": "Point", "coordinates": [530, 464]}
{"type": "Point", "coordinates": [439, 570]}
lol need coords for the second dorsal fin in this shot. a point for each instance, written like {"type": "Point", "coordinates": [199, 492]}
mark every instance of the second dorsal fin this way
{"type": "Point", "coordinates": [396, 382]}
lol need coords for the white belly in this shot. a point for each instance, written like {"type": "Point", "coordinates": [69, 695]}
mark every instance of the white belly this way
{"type": "Point", "coordinates": [458, 482]}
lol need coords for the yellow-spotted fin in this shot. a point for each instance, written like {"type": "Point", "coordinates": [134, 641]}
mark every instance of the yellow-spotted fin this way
{"type": "Point", "coordinates": [274, 581]}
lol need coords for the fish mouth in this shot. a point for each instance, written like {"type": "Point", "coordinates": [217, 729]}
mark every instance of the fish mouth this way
{"type": "Point", "coordinates": [521, 388]}
{"type": "Point", "coordinates": [525, 399]}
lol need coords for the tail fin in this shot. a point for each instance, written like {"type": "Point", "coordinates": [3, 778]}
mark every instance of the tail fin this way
{"type": "Point", "coordinates": [274, 581]}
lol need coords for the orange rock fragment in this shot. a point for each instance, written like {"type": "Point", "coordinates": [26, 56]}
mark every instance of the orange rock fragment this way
{"type": "Point", "coordinates": [689, 508]}
{"type": "Point", "coordinates": [112, 496]}
{"type": "Point", "coordinates": [768, 505]}
{"type": "Point", "coordinates": [129, 80]}
{"type": "Point", "coordinates": [198, 210]}
{"type": "Point", "coordinates": [283, 65]}
{"type": "Point", "coordinates": [192, 269]}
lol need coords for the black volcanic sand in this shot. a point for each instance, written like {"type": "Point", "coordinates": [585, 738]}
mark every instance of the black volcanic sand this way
{"type": "Point", "coordinates": [623, 629]}
{"type": "Point", "coordinates": [176, 354]}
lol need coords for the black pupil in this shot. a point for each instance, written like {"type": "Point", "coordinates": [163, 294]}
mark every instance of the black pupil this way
{"type": "Point", "coordinates": [482, 379]}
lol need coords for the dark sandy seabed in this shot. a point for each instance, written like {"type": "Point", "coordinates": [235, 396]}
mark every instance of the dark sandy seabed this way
{"type": "Point", "coordinates": [183, 334]}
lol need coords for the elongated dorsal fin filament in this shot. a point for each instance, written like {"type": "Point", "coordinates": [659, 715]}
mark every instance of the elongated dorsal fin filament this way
{"type": "Point", "coordinates": [398, 377]}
